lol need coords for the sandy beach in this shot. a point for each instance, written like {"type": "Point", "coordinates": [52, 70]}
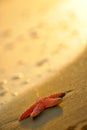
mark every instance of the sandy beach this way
{"type": "Point", "coordinates": [43, 50]}
{"type": "Point", "coordinates": [71, 114]}
{"type": "Point", "coordinates": [36, 42]}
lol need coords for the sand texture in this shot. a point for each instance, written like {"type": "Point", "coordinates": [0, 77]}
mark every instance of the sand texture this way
{"type": "Point", "coordinates": [71, 114]}
{"type": "Point", "coordinates": [43, 50]}
{"type": "Point", "coordinates": [38, 39]}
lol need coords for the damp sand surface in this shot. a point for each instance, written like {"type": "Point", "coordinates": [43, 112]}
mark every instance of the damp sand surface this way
{"type": "Point", "coordinates": [71, 112]}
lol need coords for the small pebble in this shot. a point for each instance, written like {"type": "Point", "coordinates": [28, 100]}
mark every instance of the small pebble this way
{"type": "Point", "coordinates": [2, 103]}
{"type": "Point", "coordinates": [17, 76]}
{"type": "Point", "coordinates": [1, 87]}
{"type": "Point", "coordinates": [15, 94]}
{"type": "Point", "coordinates": [3, 82]}
{"type": "Point", "coordinates": [2, 93]}
{"type": "Point", "coordinates": [34, 34]}
{"type": "Point", "coordinates": [26, 81]}
{"type": "Point", "coordinates": [23, 100]}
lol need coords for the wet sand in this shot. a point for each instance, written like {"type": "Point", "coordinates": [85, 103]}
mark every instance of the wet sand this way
{"type": "Point", "coordinates": [71, 114]}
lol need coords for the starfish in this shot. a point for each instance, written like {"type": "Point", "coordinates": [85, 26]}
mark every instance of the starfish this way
{"type": "Point", "coordinates": [41, 104]}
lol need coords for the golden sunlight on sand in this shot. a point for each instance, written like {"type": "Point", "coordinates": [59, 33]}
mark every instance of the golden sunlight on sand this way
{"type": "Point", "coordinates": [37, 39]}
